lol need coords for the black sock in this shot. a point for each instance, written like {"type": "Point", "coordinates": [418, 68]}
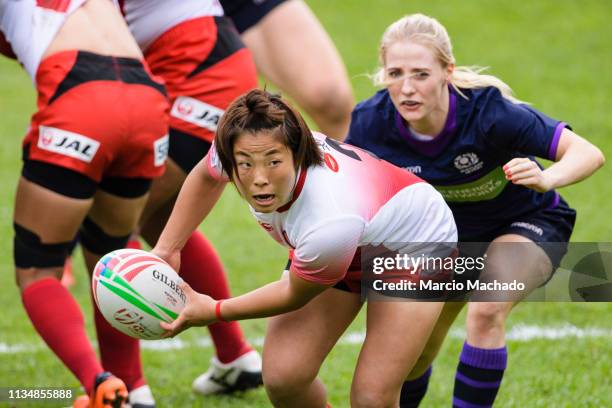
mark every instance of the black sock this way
{"type": "Point", "coordinates": [413, 391]}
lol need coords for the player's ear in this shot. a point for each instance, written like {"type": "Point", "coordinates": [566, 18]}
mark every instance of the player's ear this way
{"type": "Point", "coordinates": [450, 68]}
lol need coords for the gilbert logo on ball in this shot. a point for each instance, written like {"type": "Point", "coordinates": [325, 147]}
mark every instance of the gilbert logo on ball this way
{"type": "Point", "coordinates": [135, 290]}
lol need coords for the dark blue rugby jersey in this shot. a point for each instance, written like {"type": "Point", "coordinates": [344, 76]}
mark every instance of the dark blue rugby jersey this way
{"type": "Point", "coordinates": [464, 162]}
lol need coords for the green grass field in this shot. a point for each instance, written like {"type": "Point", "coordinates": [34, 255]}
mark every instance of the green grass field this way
{"type": "Point", "coordinates": [555, 55]}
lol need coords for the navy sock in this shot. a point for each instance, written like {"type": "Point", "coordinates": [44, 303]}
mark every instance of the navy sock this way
{"type": "Point", "coordinates": [479, 376]}
{"type": "Point", "coordinates": [413, 391]}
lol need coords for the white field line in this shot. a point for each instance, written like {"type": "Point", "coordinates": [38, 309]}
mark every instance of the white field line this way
{"type": "Point", "coordinates": [518, 333]}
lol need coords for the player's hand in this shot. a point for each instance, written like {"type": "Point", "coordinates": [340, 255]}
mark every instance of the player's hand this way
{"type": "Point", "coordinates": [172, 257]}
{"type": "Point", "coordinates": [526, 172]}
{"type": "Point", "coordinates": [199, 311]}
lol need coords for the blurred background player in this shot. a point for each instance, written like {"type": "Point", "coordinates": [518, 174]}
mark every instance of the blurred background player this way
{"type": "Point", "coordinates": [326, 201]}
{"type": "Point", "coordinates": [463, 131]}
{"type": "Point", "coordinates": [205, 65]}
{"type": "Point", "coordinates": [98, 139]}
{"type": "Point", "coordinates": [292, 50]}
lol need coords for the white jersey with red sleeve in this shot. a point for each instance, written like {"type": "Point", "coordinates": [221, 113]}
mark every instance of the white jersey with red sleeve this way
{"type": "Point", "coordinates": [353, 200]}
{"type": "Point", "coordinates": [149, 19]}
{"type": "Point", "coordinates": [29, 26]}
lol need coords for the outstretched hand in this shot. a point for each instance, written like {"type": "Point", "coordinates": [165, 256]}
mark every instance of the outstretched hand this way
{"type": "Point", "coordinates": [526, 172]}
{"type": "Point", "coordinates": [199, 311]}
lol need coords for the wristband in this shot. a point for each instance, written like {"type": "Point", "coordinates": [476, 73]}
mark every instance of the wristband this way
{"type": "Point", "coordinates": [218, 311]}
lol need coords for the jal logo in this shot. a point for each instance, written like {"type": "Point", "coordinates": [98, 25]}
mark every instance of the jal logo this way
{"type": "Point", "coordinates": [127, 317]}
{"type": "Point", "coordinates": [266, 226]}
{"type": "Point", "coordinates": [196, 112]}
{"type": "Point", "coordinates": [184, 108]}
{"type": "Point", "coordinates": [468, 163]}
{"type": "Point", "coordinates": [160, 147]}
{"type": "Point", "coordinates": [67, 143]}
{"type": "Point", "coordinates": [46, 137]}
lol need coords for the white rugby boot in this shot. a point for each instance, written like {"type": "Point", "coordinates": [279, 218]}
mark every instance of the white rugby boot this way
{"type": "Point", "coordinates": [242, 374]}
{"type": "Point", "coordinates": [141, 397]}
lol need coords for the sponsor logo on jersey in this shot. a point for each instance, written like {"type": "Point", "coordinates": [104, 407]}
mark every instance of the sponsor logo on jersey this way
{"type": "Point", "coordinates": [413, 169]}
{"type": "Point", "coordinates": [468, 163]}
{"type": "Point", "coordinates": [160, 147]}
{"type": "Point", "coordinates": [67, 143]}
{"type": "Point", "coordinates": [485, 188]}
{"type": "Point", "coordinates": [528, 226]}
{"type": "Point", "coordinates": [196, 112]}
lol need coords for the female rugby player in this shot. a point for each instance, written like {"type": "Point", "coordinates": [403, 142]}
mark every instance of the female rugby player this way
{"type": "Point", "coordinates": [325, 201]}
{"type": "Point", "coordinates": [196, 50]}
{"type": "Point", "coordinates": [466, 134]}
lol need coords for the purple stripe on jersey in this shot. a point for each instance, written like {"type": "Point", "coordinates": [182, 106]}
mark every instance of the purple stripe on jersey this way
{"type": "Point", "coordinates": [491, 359]}
{"type": "Point", "coordinates": [554, 144]}
{"type": "Point", "coordinates": [555, 201]}
{"type": "Point", "coordinates": [464, 404]}
{"type": "Point", "coordinates": [437, 144]}
{"type": "Point", "coordinates": [475, 383]}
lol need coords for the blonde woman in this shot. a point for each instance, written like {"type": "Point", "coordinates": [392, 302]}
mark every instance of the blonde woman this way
{"type": "Point", "coordinates": [467, 135]}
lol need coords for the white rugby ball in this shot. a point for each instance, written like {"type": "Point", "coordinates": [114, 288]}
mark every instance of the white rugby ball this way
{"type": "Point", "coordinates": [135, 291]}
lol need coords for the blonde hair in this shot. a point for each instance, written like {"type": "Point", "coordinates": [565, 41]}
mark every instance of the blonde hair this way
{"type": "Point", "coordinates": [429, 32]}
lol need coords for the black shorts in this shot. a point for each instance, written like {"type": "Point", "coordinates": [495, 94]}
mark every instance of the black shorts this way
{"type": "Point", "coordinates": [186, 150]}
{"type": "Point", "coordinates": [73, 184]}
{"type": "Point", "coordinates": [550, 228]}
{"type": "Point", "coordinates": [246, 13]}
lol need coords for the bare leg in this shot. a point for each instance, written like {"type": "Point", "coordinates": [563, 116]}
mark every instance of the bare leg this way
{"type": "Point", "coordinates": [396, 335]}
{"type": "Point", "coordinates": [292, 50]}
{"type": "Point", "coordinates": [509, 256]}
{"type": "Point", "coordinates": [484, 356]}
{"type": "Point", "coordinates": [290, 372]}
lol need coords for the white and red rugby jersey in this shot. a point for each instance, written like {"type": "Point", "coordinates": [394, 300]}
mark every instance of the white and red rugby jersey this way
{"type": "Point", "coordinates": [149, 19]}
{"type": "Point", "coordinates": [30, 26]}
{"type": "Point", "coordinates": [353, 200]}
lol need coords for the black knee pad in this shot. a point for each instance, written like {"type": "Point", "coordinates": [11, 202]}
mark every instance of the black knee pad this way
{"type": "Point", "coordinates": [95, 240]}
{"type": "Point", "coordinates": [30, 252]}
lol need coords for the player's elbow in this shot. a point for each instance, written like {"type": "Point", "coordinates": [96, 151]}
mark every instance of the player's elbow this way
{"type": "Point", "coordinates": [598, 157]}
{"type": "Point", "coordinates": [594, 156]}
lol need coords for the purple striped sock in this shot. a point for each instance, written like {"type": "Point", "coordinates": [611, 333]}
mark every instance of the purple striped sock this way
{"type": "Point", "coordinates": [479, 376]}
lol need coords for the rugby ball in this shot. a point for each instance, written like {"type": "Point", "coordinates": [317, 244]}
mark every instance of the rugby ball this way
{"type": "Point", "coordinates": [135, 291]}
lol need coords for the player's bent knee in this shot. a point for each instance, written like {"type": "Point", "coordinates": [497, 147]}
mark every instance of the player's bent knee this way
{"type": "Point", "coordinates": [31, 252]}
{"type": "Point", "coordinates": [330, 99]}
{"type": "Point", "coordinates": [486, 315]}
{"type": "Point", "coordinates": [370, 397]}
{"type": "Point", "coordinates": [95, 240]}
{"type": "Point", "coordinates": [285, 383]}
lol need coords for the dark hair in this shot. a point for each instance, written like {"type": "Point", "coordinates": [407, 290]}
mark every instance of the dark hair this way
{"type": "Point", "coordinates": [259, 110]}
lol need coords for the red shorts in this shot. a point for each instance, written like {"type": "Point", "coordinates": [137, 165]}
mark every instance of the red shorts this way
{"type": "Point", "coordinates": [205, 66]}
{"type": "Point", "coordinates": [99, 116]}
